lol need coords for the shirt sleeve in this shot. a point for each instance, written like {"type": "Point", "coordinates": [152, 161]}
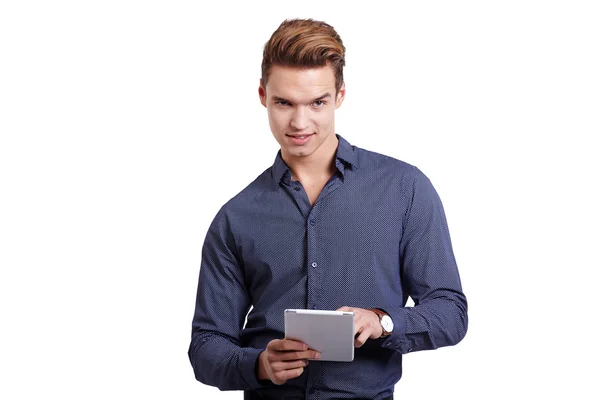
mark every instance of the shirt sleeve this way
{"type": "Point", "coordinates": [222, 303]}
{"type": "Point", "coordinates": [429, 275]}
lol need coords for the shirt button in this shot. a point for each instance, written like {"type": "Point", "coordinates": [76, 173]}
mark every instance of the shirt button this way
{"type": "Point", "coordinates": [314, 307]}
{"type": "Point", "coordinates": [297, 188]}
{"type": "Point", "coordinates": [312, 222]}
{"type": "Point", "coordinates": [314, 265]}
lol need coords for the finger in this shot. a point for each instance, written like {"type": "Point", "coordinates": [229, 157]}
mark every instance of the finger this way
{"type": "Point", "coordinates": [282, 376]}
{"type": "Point", "coordinates": [345, 308]}
{"type": "Point", "coordinates": [366, 330]}
{"type": "Point", "coordinates": [288, 345]}
{"type": "Point", "coordinates": [293, 355]}
{"type": "Point", "coordinates": [285, 365]}
{"type": "Point", "coordinates": [359, 321]}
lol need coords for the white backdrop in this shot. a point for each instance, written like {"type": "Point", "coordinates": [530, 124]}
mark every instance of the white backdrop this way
{"type": "Point", "coordinates": [125, 125]}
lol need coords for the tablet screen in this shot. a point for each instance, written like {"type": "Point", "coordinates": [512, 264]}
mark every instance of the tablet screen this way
{"type": "Point", "coordinates": [329, 332]}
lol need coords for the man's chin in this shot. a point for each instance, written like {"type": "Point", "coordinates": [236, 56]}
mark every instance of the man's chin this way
{"type": "Point", "coordinates": [298, 152]}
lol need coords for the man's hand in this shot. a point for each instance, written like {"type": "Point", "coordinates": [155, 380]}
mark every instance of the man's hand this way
{"type": "Point", "coordinates": [366, 324]}
{"type": "Point", "coordinates": [284, 359]}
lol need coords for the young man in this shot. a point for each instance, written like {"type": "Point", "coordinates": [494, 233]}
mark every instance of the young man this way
{"type": "Point", "coordinates": [328, 226]}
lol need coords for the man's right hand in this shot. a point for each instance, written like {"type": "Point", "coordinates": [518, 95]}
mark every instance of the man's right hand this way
{"type": "Point", "coordinates": [284, 359]}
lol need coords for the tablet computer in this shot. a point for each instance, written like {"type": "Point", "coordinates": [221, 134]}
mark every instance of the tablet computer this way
{"type": "Point", "coordinates": [329, 332]}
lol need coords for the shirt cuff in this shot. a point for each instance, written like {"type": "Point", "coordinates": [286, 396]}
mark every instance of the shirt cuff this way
{"type": "Point", "coordinates": [250, 368]}
{"type": "Point", "coordinates": [397, 340]}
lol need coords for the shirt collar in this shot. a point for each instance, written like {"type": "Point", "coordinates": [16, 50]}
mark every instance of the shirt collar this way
{"type": "Point", "coordinates": [345, 155]}
{"type": "Point", "coordinates": [346, 152]}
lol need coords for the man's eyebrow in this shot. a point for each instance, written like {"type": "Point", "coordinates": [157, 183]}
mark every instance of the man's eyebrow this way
{"type": "Point", "coordinates": [322, 97]}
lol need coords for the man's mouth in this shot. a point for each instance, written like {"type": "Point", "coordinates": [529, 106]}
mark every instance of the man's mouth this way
{"type": "Point", "coordinates": [300, 140]}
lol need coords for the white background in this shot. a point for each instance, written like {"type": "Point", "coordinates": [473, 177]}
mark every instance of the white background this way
{"type": "Point", "coordinates": [125, 125]}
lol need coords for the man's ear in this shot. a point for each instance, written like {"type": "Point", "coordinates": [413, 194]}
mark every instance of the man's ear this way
{"type": "Point", "coordinates": [341, 95]}
{"type": "Point", "coordinates": [262, 93]}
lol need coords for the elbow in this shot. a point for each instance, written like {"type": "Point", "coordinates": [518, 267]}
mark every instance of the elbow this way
{"type": "Point", "coordinates": [206, 371]}
{"type": "Point", "coordinates": [196, 361]}
{"type": "Point", "coordinates": [461, 331]}
{"type": "Point", "coordinates": [454, 323]}
{"type": "Point", "coordinates": [462, 320]}
{"type": "Point", "coordinates": [206, 375]}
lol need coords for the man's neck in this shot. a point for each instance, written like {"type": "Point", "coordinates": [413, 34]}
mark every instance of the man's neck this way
{"type": "Point", "coordinates": [318, 166]}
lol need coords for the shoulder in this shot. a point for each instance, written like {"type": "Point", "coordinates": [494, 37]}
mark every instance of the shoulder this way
{"type": "Point", "coordinates": [387, 166]}
{"type": "Point", "coordinates": [249, 197]}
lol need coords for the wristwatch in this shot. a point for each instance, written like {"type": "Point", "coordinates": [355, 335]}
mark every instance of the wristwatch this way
{"type": "Point", "coordinates": [386, 321]}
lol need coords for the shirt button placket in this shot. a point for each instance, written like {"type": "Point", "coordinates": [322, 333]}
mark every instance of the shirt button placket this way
{"type": "Point", "coordinates": [311, 256]}
{"type": "Point", "coordinates": [314, 290]}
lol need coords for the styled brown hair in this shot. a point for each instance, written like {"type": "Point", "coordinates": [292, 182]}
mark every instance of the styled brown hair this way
{"type": "Point", "coordinates": [305, 43]}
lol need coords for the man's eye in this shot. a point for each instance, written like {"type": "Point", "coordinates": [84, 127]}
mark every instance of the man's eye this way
{"type": "Point", "coordinates": [282, 103]}
{"type": "Point", "coordinates": [319, 103]}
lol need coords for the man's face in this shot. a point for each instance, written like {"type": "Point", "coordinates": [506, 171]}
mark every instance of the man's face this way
{"type": "Point", "coordinates": [301, 105]}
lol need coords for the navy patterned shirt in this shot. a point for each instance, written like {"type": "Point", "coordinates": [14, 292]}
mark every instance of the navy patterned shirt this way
{"type": "Point", "coordinates": [376, 235]}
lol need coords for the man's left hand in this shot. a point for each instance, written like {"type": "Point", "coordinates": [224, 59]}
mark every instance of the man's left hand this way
{"type": "Point", "coordinates": [366, 325]}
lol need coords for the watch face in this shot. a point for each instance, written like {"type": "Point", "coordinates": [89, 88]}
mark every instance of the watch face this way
{"type": "Point", "coordinates": [387, 323]}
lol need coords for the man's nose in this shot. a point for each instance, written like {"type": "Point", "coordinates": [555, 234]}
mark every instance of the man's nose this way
{"type": "Point", "coordinates": [299, 120]}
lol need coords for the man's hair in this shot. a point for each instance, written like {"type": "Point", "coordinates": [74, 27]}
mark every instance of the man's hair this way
{"type": "Point", "coordinates": [305, 43]}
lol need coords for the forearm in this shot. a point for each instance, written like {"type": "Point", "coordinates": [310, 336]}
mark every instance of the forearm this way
{"type": "Point", "coordinates": [438, 321]}
{"type": "Point", "coordinates": [218, 361]}
{"type": "Point", "coordinates": [222, 303]}
{"type": "Point", "coordinates": [429, 276]}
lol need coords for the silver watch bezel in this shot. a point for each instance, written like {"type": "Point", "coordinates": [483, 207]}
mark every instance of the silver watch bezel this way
{"type": "Point", "coordinates": [387, 324]}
